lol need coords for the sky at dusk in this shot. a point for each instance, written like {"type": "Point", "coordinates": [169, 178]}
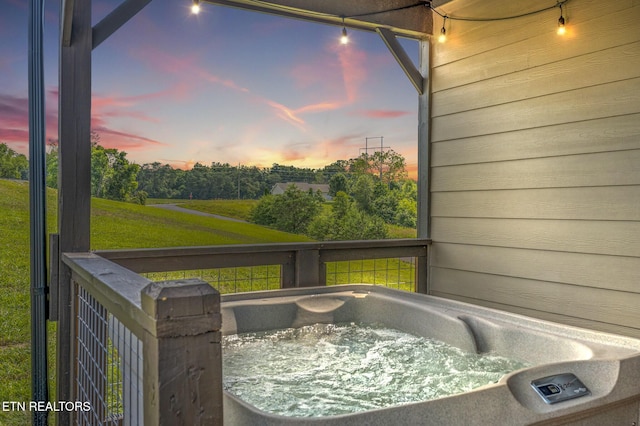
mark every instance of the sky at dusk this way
{"type": "Point", "coordinates": [226, 86]}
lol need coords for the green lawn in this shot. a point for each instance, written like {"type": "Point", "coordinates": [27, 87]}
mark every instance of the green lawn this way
{"type": "Point", "coordinates": [238, 209]}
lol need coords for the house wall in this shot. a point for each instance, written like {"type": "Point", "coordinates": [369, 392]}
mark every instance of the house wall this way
{"type": "Point", "coordinates": [535, 162]}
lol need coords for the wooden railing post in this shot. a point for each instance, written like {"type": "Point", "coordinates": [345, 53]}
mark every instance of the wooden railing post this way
{"type": "Point", "coordinates": [422, 272]}
{"type": "Point", "coordinates": [308, 268]}
{"type": "Point", "coordinates": [183, 354]}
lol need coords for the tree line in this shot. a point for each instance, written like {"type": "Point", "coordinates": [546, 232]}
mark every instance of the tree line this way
{"type": "Point", "coordinates": [368, 191]}
{"type": "Point", "coordinates": [12, 164]}
{"type": "Point", "coordinates": [226, 181]}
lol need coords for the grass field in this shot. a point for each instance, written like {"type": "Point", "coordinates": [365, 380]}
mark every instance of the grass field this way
{"type": "Point", "coordinates": [118, 225]}
{"type": "Point", "coordinates": [240, 209]}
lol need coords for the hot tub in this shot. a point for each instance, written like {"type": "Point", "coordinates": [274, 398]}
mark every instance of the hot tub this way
{"type": "Point", "coordinates": [598, 373]}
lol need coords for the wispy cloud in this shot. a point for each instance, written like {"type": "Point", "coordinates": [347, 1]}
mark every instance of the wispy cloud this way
{"type": "Point", "coordinates": [381, 113]}
{"type": "Point", "coordinates": [348, 78]}
{"type": "Point", "coordinates": [338, 72]}
{"type": "Point", "coordinates": [186, 66]}
{"type": "Point", "coordinates": [286, 114]}
{"type": "Point", "coordinates": [354, 71]}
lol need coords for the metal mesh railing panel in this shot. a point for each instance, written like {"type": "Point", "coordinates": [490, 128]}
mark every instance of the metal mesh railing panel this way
{"type": "Point", "coordinates": [229, 280]}
{"type": "Point", "coordinates": [109, 366]}
{"type": "Point", "coordinates": [399, 273]}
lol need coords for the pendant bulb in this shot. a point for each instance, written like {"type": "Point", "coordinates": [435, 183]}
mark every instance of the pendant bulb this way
{"type": "Point", "coordinates": [345, 38]}
{"type": "Point", "coordinates": [561, 28]}
{"type": "Point", "coordinates": [443, 32]}
{"type": "Point", "coordinates": [195, 7]}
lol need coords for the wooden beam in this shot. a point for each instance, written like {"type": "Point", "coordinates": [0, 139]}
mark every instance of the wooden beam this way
{"type": "Point", "coordinates": [74, 174]}
{"type": "Point", "coordinates": [117, 18]}
{"type": "Point", "coordinates": [66, 21]}
{"type": "Point", "coordinates": [406, 18]}
{"type": "Point", "coordinates": [424, 143]}
{"type": "Point", "coordinates": [403, 59]}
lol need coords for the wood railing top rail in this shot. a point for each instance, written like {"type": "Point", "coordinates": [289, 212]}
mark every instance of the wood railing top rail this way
{"type": "Point", "coordinates": [114, 287]}
{"type": "Point", "coordinates": [184, 258]}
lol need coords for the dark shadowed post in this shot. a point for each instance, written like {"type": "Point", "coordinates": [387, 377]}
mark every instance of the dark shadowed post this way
{"type": "Point", "coordinates": [37, 203]}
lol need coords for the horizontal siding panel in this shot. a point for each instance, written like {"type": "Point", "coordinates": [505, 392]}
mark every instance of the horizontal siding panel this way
{"type": "Point", "coordinates": [600, 169]}
{"type": "Point", "coordinates": [548, 316]}
{"type": "Point", "coordinates": [487, 35]}
{"type": "Point", "coordinates": [608, 272]}
{"type": "Point", "coordinates": [595, 237]}
{"type": "Point", "coordinates": [594, 304]}
{"type": "Point", "coordinates": [535, 163]}
{"type": "Point", "coordinates": [607, 100]}
{"type": "Point", "coordinates": [593, 203]}
{"type": "Point", "coordinates": [601, 135]}
{"type": "Point", "coordinates": [619, 63]}
{"type": "Point", "coordinates": [544, 47]}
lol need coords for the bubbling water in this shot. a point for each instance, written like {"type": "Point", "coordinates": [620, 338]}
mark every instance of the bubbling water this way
{"type": "Point", "coordinates": [329, 369]}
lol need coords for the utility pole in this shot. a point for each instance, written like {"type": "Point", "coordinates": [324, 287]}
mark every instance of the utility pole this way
{"type": "Point", "coordinates": [380, 149]}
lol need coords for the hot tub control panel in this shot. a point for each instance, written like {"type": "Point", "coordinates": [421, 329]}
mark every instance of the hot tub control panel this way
{"type": "Point", "coordinates": [559, 388]}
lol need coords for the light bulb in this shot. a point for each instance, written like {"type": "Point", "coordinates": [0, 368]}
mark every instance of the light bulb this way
{"type": "Point", "coordinates": [443, 32]}
{"type": "Point", "coordinates": [195, 8]}
{"type": "Point", "coordinates": [443, 35]}
{"type": "Point", "coordinates": [561, 28]}
{"type": "Point", "coordinates": [344, 39]}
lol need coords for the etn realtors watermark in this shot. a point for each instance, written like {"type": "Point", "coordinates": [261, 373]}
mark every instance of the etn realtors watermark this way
{"type": "Point", "coordinates": [46, 406]}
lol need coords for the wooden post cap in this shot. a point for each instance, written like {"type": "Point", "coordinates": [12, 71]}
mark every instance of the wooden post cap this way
{"type": "Point", "coordinates": [182, 307]}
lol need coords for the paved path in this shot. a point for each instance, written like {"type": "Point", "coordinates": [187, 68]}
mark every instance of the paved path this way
{"type": "Point", "coordinates": [177, 208]}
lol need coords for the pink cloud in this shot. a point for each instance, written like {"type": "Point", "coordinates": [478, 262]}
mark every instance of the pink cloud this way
{"type": "Point", "coordinates": [322, 106]}
{"type": "Point", "coordinates": [184, 66]}
{"type": "Point", "coordinates": [354, 72]}
{"type": "Point", "coordinates": [188, 65]}
{"type": "Point", "coordinates": [382, 113]}
{"type": "Point", "coordinates": [293, 155]}
{"type": "Point", "coordinates": [14, 122]}
{"type": "Point", "coordinates": [104, 108]}
{"type": "Point", "coordinates": [14, 136]}
{"type": "Point", "coordinates": [341, 70]}
{"type": "Point", "coordinates": [177, 164]}
{"type": "Point", "coordinates": [123, 141]}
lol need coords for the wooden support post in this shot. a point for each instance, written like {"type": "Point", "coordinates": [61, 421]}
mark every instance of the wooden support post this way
{"type": "Point", "coordinates": [288, 272]}
{"type": "Point", "coordinates": [74, 173]}
{"type": "Point", "coordinates": [422, 272]}
{"type": "Point", "coordinates": [424, 143]}
{"type": "Point", "coordinates": [308, 268]}
{"type": "Point", "coordinates": [183, 354]}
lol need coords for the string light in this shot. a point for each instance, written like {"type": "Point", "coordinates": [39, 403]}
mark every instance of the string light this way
{"type": "Point", "coordinates": [195, 7]}
{"type": "Point", "coordinates": [345, 38]}
{"type": "Point", "coordinates": [443, 32]}
{"type": "Point", "coordinates": [561, 22]}
{"type": "Point", "coordinates": [561, 28]}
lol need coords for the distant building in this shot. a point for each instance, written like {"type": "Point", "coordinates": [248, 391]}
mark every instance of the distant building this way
{"type": "Point", "coordinates": [279, 188]}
